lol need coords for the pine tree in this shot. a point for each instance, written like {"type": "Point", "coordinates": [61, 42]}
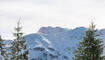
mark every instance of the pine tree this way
{"type": "Point", "coordinates": [19, 46]}
{"type": "Point", "coordinates": [2, 49]}
{"type": "Point", "coordinates": [91, 48]}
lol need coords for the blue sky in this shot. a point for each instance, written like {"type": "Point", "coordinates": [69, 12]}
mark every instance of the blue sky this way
{"type": "Point", "coordinates": [37, 13]}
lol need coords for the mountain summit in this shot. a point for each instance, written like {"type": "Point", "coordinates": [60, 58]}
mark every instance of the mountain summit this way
{"type": "Point", "coordinates": [56, 42]}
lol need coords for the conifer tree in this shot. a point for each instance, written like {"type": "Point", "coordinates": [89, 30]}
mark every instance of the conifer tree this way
{"type": "Point", "coordinates": [91, 48]}
{"type": "Point", "coordinates": [3, 49]}
{"type": "Point", "coordinates": [19, 46]}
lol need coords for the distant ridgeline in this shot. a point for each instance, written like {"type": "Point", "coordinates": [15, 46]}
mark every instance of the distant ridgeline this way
{"type": "Point", "coordinates": [55, 43]}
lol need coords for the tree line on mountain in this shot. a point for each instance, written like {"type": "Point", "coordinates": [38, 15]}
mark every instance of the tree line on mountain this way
{"type": "Point", "coordinates": [90, 48]}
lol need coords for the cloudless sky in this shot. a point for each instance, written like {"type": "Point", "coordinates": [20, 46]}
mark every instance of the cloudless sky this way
{"type": "Point", "coordinates": [37, 13]}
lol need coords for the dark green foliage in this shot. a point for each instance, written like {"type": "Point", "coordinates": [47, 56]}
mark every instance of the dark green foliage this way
{"type": "Point", "coordinates": [91, 48]}
{"type": "Point", "coordinates": [2, 49]}
{"type": "Point", "coordinates": [19, 46]}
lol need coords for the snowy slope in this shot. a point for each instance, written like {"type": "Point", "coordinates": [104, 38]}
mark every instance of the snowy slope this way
{"type": "Point", "coordinates": [64, 40]}
{"type": "Point", "coordinates": [59, 43]}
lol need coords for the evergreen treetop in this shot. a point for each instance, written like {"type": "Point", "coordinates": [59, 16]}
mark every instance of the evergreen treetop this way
{"type": "Point", "coordinates": [19, 46]}
{"type": "Point", "coordinates": [91, 48]}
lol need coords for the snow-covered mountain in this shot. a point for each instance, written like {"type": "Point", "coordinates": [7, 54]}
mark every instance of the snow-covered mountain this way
{"type": "Point", "coordinates": [56, 42]}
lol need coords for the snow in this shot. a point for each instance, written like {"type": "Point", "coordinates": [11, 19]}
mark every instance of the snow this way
{"type": "Point", "coordinates": [57, 41]}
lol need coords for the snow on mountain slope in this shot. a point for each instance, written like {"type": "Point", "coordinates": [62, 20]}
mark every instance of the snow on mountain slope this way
{"type": "Point", "coordinates": [32, 41]}
{"type": "Point", "coordinates": [59, 43]}
{"type": "Point", "coordinates": [63, 39]}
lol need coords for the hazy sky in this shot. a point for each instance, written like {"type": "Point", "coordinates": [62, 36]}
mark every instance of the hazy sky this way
{"type": "Point", "coordinates": [37, 13]}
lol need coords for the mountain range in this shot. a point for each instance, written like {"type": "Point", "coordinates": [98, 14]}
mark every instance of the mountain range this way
{"type": "Point", "coordinates": [55, 43]}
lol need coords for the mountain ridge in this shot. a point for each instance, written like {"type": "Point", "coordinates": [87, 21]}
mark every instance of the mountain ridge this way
{"type": "Point", "coordinates": [56, 41]}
